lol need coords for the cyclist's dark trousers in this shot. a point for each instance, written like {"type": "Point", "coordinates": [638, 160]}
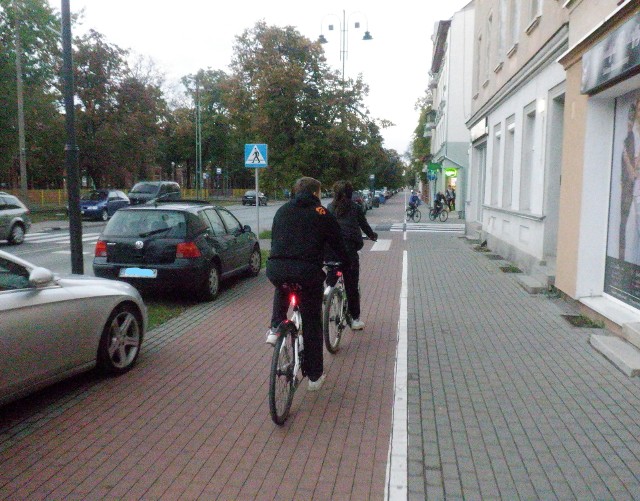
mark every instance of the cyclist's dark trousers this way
{"type": "Point", "coordinates": [351, 280]}
{"type": "Point", "coordinates": [310, 298]}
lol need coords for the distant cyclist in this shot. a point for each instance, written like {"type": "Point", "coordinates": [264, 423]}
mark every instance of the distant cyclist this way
{"type": "Point", "coordinates": [414, 200]}
{"type": "Point", "coordinates": [301, 230]}
{"type": "Point", "coordinates": [352, 222]}
{"type": "Point", "coordinates": [439, 201]}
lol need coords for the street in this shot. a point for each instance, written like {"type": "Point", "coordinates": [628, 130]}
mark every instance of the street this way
{"type": "Point", "coordinates": [461, 386]}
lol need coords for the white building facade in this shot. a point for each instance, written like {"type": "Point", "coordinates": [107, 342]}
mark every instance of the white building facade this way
{"type": "Point", "coordinates": [451, 69]}
{"type": "Point", "coordinates": [516, 128]}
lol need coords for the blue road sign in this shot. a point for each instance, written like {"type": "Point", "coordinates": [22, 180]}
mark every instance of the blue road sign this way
{"type": "Point", "coordinates": [255, 155]}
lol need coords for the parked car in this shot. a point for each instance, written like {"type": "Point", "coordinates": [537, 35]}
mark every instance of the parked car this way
{"type": "Point", "coordinates": [189, 245]}
{"type": "Point", "coordinates": [147, 191]}
{"type": "Point", "coordinates": [249, 198]}
{"type": "Point", "coordinates": [14, 219]}
{"type": "Point", "coordinates": [102, 204]}
{"type": "Point", "coordinates": [357, 197]}
{"type": "Point", "coordinates": [52, 327]}
{"type": "Point", "coordinates": [367, 199]}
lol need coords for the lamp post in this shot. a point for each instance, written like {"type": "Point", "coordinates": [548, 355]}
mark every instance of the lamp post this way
{"type": "Point", "coordinates": [344, 31]}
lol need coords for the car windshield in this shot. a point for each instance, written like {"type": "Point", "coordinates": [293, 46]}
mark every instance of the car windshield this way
{"type": "Point", "coordinates": [144, 188]}
{"type": "Point", "coordinates": [95, 196]}
{"type": "Point", "coordinates": [250, 194]}
{"type": "Point", "coordinates": [144, 223]}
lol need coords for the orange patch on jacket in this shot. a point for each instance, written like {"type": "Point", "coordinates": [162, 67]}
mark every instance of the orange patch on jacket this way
{"type": "Point", "coordinates": [321, 210]}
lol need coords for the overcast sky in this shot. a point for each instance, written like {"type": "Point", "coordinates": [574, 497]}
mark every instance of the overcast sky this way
{"type": "Point", "coordinates": [182, 36]}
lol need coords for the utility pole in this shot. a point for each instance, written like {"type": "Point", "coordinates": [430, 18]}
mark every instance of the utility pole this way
{"type": "Point", "coordinates": [70, 148]}
{"type": "Point", "coordinates": [19, 87]}
{"type": "Point", "coordinates": [198, 138]}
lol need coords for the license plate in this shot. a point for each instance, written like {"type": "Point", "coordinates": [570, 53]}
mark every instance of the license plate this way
{"type": "Point", "coordinates": [138, 273]}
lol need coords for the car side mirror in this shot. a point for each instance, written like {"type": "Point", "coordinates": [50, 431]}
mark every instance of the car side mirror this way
{"type": "Point", "coordinates": [246, 228]}
{"type": "Point", "coordinates": [39, 277]}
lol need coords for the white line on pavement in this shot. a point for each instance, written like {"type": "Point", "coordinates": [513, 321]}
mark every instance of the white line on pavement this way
{"type": "Point", "coordinates": [397, 481]}
{"type": "Point", "coordinates": [381, 245]}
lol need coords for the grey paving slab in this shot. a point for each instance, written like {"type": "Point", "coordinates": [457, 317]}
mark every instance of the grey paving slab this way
{"type": "Point", "coordinates": [522, 406]}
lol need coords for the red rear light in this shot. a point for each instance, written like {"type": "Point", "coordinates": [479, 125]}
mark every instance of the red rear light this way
{"type": "Point", "coordinates": [338, 274]}
{"type": "Point", "coordinates": [101, 249]}
{"type": "Point", "coordinates": [187, 250]}
{"type": "Point", "coordinates": [293, 300]}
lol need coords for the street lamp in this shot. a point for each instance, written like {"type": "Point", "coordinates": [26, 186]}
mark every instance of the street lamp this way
{"type": "Point", "coordinates": [344, 30]}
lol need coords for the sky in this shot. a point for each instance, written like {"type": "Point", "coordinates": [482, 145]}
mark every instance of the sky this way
{"type": "Point", "coordinates": [182, 36]}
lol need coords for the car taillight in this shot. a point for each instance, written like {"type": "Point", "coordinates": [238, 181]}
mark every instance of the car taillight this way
{"type": "Point", "coordinates": [101, 248]}
{"type": "Point", "coordinates": [187, 250]}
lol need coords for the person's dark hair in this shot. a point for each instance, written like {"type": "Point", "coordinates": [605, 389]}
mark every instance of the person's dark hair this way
{"type": "Point", "coordinates": [342, 193]}
{"type": "Point", "coordinates": [307, 185]}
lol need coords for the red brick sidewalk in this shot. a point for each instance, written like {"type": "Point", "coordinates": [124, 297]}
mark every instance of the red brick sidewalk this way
{"type": "Point", "coordinates": [192, 419]}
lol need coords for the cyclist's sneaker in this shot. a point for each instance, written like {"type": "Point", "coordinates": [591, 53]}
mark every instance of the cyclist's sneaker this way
{"type": "Point", "coordinates": [357, 324]}
{"type": "Point", "coordinates": [271, 337]}
{"type": "Point", "coordinates": [316, 385]}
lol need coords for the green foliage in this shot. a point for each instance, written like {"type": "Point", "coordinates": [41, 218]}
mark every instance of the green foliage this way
{"type": "Point", "coordinates": [279, 91]}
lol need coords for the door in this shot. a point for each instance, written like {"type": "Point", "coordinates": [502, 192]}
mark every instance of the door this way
{"type": "Point", "coordinates": [220, 240]}
{"type": "Point", "coordinates": [552, 175]}
{"type": "Point", "coordinates": [241, 240]}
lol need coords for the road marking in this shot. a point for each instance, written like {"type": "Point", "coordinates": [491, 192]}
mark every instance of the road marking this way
{"type": "Point", "coordinates": [457, 228]}
{"type": "Point", "coordinates": [59, 238]}
{"type": "Point", "coordinates": [396, 479]}
{"type": "Point", "coordinates": [381, 245]}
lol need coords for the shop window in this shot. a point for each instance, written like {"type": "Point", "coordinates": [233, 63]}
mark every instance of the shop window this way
{"type": "Point", "coordinates": [495, 163]}
{"type": "Point", "coordinates": [507, 176]}
{"type": "Point", "coordinates": [528, 150]}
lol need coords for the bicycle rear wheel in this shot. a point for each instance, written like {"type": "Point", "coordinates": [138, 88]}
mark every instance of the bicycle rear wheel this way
{"type": "Point", "coordinates": [282, 379]}
{"type": "Point", "coordinates": [444, 215]}
{"type": "Point", "coordinates": [333, 319]}
{"type": "Point", "coordinates": [417, 215]}
{"type": "Point", "coordinates": [433, 214]}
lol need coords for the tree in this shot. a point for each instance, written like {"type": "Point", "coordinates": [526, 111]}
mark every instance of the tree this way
{"type": "Point", "coordinates": [44, 129]}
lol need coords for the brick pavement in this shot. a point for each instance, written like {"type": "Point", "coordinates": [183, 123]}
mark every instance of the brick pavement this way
{"type": "Point", "coordinates": [192, 420]}
{"type": "Point", "coordinates": [505, 400]}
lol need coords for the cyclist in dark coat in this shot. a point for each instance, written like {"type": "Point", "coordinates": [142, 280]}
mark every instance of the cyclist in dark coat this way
{"type": "Point", "coordinates": [301, 230]}
{"type": "Point", "coordinates": [352, 222]}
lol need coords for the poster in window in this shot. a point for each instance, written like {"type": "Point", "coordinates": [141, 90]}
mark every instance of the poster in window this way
{"type": "Point", "coordinates": [622, 271]}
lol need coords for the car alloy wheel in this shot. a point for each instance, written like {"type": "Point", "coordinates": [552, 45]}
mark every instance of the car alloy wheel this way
{"type": "Point", "coordinates": [121, 339]}
{"type": "Point", "coordinates": [104, 215]}
{"type": "Point", "coordinates": [16, 236]}
{"type": "Point", "coordinates": [255, 262]}
{"type": "Point", "coordinates": [211, 286]}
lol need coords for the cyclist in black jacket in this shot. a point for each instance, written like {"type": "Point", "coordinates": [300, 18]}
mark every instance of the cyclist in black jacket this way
{"type": "Point", "coordinates": [301, 230]}
{"type": "Point", "coordinates": [353, 222]}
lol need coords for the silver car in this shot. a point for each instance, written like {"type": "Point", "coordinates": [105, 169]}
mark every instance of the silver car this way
{"type": "Point", "coordinates": [52, 327]}
{"type": "Point", "coordinates": [14, 219]}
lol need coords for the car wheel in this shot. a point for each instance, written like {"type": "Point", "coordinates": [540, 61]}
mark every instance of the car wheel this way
{"type": "Point", "coordinates": [255, 262]}
{"type": "Point", "coordinates": [211, 284]}
{"type": "Point", "coordinates": [104, 215]}
{"type": "Point", "coordinates": [121, 340]}
{"type": "Point", "coordinates": [16, 236]}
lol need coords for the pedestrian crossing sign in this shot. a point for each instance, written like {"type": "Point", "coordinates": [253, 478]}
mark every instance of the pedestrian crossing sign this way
{"type": "Point", "coordinates": [255, 155]}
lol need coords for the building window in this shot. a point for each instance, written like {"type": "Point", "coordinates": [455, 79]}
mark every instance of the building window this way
{"type": "Point", "coordinates": [535, 9]}
{"type": "Point", "coordinates": [502, 36]}
{"type": "Point", "coordinates": [495, 164]}
{"type": "Point", "coordinates": [528, 150]}
{"type": "Point", "coordinates": [507, 170]}
{"type": "Point", "coordinates": [487, 61]}
{"type": "Point", "coordinates": [477, 64]}
{"type": "Point", "coordinates": [514, 22]}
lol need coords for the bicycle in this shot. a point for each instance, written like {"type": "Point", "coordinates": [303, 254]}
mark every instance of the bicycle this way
{"type": "Point", "coordinates": [335, 317]}
{"type": "Point", "coordinates": [286, 372]}
{"type": "Point", "coordinates": [414, 214]}
{"type": "Point", "coordinates": [440, 213]}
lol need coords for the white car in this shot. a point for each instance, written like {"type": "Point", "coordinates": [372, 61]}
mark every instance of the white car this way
{"type": "Point", "coordinates": [52, 327]}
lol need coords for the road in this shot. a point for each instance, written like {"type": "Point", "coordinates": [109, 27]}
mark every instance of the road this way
{"type": "Point", "coordinates": [48, 244]}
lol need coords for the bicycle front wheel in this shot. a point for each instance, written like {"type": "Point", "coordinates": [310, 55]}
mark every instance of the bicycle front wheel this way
{"type": "Point", "coordinates": [444, 215]}
{"type": "Point", "coordinates": [417, 215]}
{"type": "Point", "coordinates": [333, 319]}
{"type": "Point", "coordinates": [282, 379]}
{"type": "Point", "coordinates": [433, 214]}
